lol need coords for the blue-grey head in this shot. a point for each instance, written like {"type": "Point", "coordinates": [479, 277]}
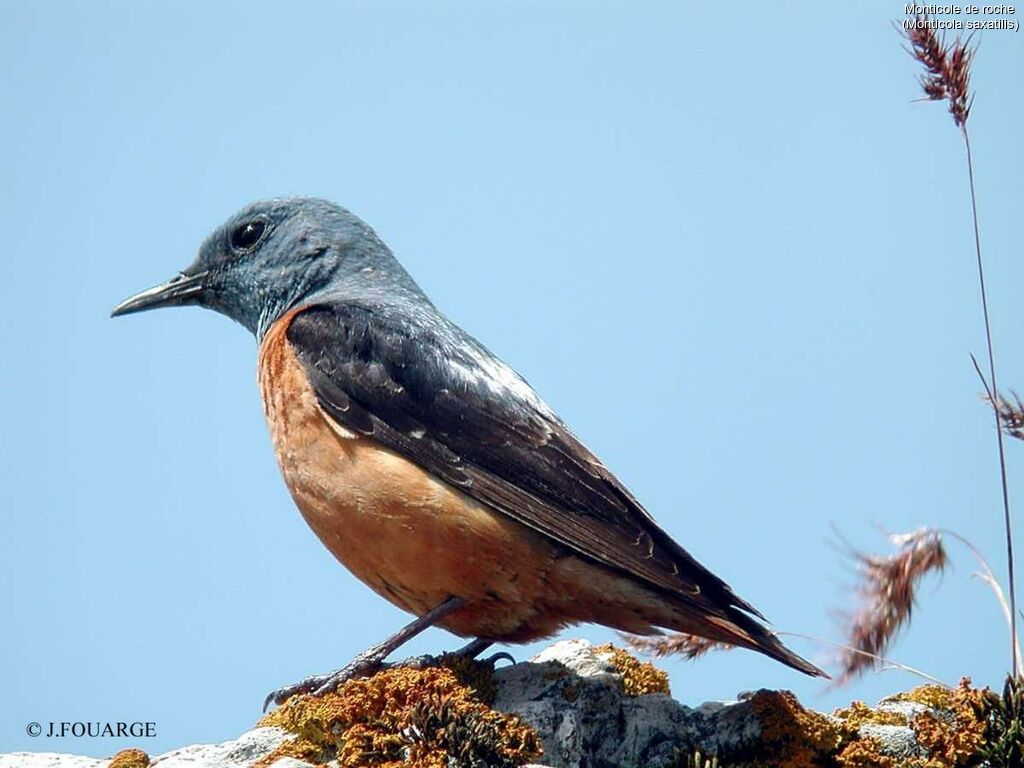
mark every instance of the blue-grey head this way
{"type": "Point", "coordinates": [276, 255]}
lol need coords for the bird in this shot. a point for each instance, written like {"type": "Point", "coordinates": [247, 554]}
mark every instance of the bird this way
{"type": "Point", "coordinates": [425, 464]}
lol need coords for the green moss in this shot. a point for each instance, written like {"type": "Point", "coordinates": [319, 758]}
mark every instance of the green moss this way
{"type": "Point", "coordinates": [476, 675]}
{"type": "Point", "coordinates": [1004, 725]}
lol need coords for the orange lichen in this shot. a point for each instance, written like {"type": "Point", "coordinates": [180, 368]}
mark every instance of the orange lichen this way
{"type": "Point", "coordinates": [864, 753]}
{"type": "Point", "coordinates": [950, 741]}
{"type": "Point", "coordinates": [859, 713]}
{"type": "Point", "coordinates": [935, 696]}
{"type": "Point", "coordinates": [638, 677]}
{"type": "Point", "coordinates": [129, 758]}
{"type": "Point", "coordinates": [955, 744]}
{"type": "Point", "coordinates": [792, 736]}
{"type": "Point", "coordinates": [413, 718]}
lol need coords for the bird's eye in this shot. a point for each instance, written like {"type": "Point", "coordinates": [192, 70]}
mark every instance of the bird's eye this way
{"type": "Point", "coordinates": [247, 235]}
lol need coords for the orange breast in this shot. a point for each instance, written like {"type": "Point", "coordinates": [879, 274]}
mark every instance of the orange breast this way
{"type": "Point", "coordinates": [413, 538]}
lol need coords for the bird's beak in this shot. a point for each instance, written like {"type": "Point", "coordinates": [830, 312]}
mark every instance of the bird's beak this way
{"type": "Point", "coordinates": [181, 289]}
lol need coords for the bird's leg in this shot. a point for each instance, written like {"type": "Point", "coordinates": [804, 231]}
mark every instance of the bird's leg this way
{"type": "Point", "coordinates": [473, 648]}
{"type": "Point", "coordinates": [369, 661]}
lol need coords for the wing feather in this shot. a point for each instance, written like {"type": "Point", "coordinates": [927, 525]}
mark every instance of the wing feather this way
{"type": "Point", "coordinates": [418, 384]}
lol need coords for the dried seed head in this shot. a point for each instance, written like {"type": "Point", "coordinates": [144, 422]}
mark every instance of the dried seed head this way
{"type": "Point", "coordinates": [947, 68]}
{"type": "Point", "coordinates": [1011, 414]}
{"type": "Point", "coordinates": [887, 586]}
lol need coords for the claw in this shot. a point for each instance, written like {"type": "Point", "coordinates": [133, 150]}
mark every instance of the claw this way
{"type": "Point", "coordinates": [272, 696]}
{"type": "Point", "coordinates": [494, 658]}
{"type": "Point", "coordinates": [281, 695]}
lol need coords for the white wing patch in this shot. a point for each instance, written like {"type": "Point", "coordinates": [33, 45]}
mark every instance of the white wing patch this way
{"type": "Point", "coordinates": [501, 380]}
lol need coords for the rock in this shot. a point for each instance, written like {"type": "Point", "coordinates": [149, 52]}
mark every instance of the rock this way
{"type": "Point", "coordinates": [893, 740]}
{"type": "Point", "coordinates": [49, 760]}
{"type": "Point", "coordinates": [242, 752]}
{"type": "Point", "coordinates": [574, 697]}
{"type": "Point", "coordinates": [589, 707]}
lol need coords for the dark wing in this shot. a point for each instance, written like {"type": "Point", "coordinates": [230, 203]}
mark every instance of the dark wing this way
{"type": "Point", "coordinates": [418, 384]}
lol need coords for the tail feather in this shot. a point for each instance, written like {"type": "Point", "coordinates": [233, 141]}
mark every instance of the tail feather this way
{"type": "Point", "coordinates": [740, 630]}
{"type": "Point", "coordinates": [770, 645]}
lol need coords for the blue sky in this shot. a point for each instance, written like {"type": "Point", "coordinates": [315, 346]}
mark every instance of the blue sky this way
{"type": "Point", "coordinates": [726, 246]}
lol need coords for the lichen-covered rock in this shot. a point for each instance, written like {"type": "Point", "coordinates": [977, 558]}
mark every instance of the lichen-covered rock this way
{"type": "Point", "coordinates": [421, 718]}
{"type": "Point", "coordinates": [576, 698]}
{"type": "Point", "coordinates": [589, 707]}
{"type": "Point", "coordinates": [579, 700]}
{"type": "Point", "coordinates": [574, 695]}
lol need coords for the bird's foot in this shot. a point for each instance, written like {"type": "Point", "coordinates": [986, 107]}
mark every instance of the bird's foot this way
{"type": "Point", "coordinates": [464, 664]}
{"type": "Point", "coordinates": [468, 653]}
{"type": "Point", "coordinates": [372, 661]}
{"type": "Point", "coordinates": [363, 665]}
{"type": "Point", "coordinates": [494, 658]}
{"type": "Point", "coordinates": [367, 665]}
